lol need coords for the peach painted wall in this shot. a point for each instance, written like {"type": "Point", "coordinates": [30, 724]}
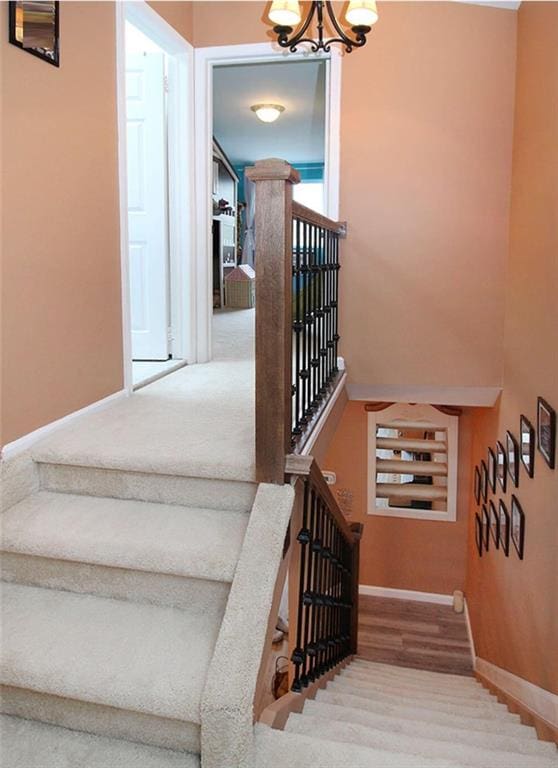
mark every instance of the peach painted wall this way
{"type": "Point", "coordinates": [514, 604]}
{"type": "Point", "coordinates": [421, 555]}
{"type": "Point", "coordinates": [61, 321]}
{"type": "Point", "coordinates": [426, 132]}
{"type": "Point", "coordinates": [179, 14]}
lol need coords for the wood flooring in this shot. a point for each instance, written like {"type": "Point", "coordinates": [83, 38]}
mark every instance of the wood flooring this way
{"type": "Point", "coordinates": [411, 634]}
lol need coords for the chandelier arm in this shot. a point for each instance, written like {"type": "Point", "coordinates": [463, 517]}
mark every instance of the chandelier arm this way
{"type": "Point", "coordinates": [297, 38]}
{"type": "Point", "coordinates": [344, 39]}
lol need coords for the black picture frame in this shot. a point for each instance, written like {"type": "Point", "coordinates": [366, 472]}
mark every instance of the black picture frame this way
{"type": "Point", "coordinates": [478, 534]}
{"type": "Point", "coordinates": [485, 527]}
{"type": "Point", "coordinates": [504, 528]}
{"type": "Point", "coordinates": [477, 485]}
{"type": "Point", "coordinates": [501, 465]}
{"type": "Point", "coordinates": [51, 56]}
{"type": "Point", "coordinates": [494, 524]}
{"type": "Point", "coordinates": [546, 431]}
{"type": "Point", "coordinates": [517, 526]}
{"type": "Point", "coordinates": [512, 453]}
{"type": "Point", "coordinates": [527, 445]}
{"type": "Point", "coordinates": [484, 480]}
{"type": "Point", "coordinates": [492, 470]}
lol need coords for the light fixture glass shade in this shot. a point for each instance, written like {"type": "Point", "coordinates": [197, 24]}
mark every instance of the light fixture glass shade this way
{"type": "Point", "coordinates": [267, 113]}
{"type": "Point", "coordinates": [285, 13]}
{"type": "Point", "coordinates": [362, 13]}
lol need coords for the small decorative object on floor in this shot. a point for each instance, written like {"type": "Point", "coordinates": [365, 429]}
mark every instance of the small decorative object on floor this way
{"type": "Point", "coordinates": [494, 524]}
{"type": "Point", "coordinates": [478, 533]}
{"type": "Point", "coordinates": [34, 27]}
{"type": "Point", "coordinates": [517, 526]}
{"type": "Point", "coordinates": [477, 485]}
{"type": "Point", "coordinates": [492, 469]}
{"type": "Point", "coordinates": [458, 601]}
{"type": "Point", "coordinates": [513, 458]}
{"type": "Point", "coordinates": [240, 287]}
{"type": "Point", "coordinates": [504, 528]}
{"type": "Point", "coordinates": [501, 465]}
{"type": "Point", "coordinates": [527, 445]}
{"type": "Point", "coordinates": [546, 431]}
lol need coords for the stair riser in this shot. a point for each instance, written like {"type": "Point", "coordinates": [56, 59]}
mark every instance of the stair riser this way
{"type": "Point", "coordinates": [522, 741]}
{"type": "Point", "coordinates": [143, 486]}
{"type": "Point", "coordinates": [465, 686]}
{"type": "Point", "coordinates": [118, 583]}
{"type": "Point", "coordinates": [378, 681]}
{"type": "Point", "coordinates": [101, 720]}
{"type": "Point", "coordinates": [422, 713]}
{"type": "Point", "coordinates": [411, 672]}
{"type": "Point", "coordinates": [489, 709]}
{"type": "Point", "coordinates": [401, 689]}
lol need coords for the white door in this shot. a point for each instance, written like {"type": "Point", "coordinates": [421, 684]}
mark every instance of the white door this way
{"type": "Point", "coordinates": [147, 205]}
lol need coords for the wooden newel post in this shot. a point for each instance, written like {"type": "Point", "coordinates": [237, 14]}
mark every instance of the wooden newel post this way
{"type": "Point", "coordinates": [273, 226]}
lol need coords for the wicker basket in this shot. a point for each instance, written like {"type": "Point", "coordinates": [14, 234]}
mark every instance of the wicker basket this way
{"type": "Point", "coordinates": [240, 286]}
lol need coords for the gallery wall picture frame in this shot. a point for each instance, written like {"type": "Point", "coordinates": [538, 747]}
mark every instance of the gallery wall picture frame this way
{"type": "Point", "coordinates": [477, 485]}
{"type": "Point", "coordinates": [492, 470]}
{"type": "Point", "coordinates": [494, 524]}
{"type": "Point", "coordinates": [504, 529]}
{"type": "Point", "coordinates": [35, 28]}
{"type": "Point", "coordinates": [517, 525]}
{"type": "Point", "coordinates": [546, 431]}
{"type": "Point", "coordinates": [512, 451]}
{"type": "Point", "coordinates": [485, 528]}
{"type": "Point", "coordinates": [484, 480]}
{"type": "Point", "coordinates": [501, 465]}
{"type": "Point", "coordinates": [478, 534]}
{"type": "Point", "coordinates": [527, 445]}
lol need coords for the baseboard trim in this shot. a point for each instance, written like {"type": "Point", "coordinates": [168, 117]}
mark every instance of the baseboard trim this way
{"type": "Point", "coordinates": [27, 441]}
{"type": "Point", "coordinates": [469, 632]}
{"type": "Point", "coordinates": [536, 706]}
{"type": "Point", "coordinates": [324, 415]}
{"type": "Point", "coordinates": [405, 594]}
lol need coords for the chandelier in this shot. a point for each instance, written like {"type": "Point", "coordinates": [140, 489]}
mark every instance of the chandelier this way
{"type": "Point", "coordinates": [285, 14]}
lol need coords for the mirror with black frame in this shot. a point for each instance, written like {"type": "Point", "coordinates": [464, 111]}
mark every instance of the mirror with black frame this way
{"type": "Point", "coordinates": [34, 27]}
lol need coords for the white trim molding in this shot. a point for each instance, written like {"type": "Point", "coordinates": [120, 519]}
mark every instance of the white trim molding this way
{"type": "Point", "coordinates": [541, 702]}
{"type": "Point", "coordinates": [324, 416]}
{"type": "Point", "coordinates": [482, 397]}
{"type": "Point", "coordinates": [469, 632]}
{"type": "Point", "coordinates": [205, 60]}
{"type": "Point", "coordinates": [405, 594]}
{"type": "Point", "coordinates": [27, 441]}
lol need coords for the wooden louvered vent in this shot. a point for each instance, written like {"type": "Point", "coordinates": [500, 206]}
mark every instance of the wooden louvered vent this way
{"type": "Point", "coordinates": [412, 462]}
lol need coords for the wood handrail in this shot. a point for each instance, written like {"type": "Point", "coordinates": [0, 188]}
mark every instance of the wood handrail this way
{"type": "Point", "coordinates": [313, 217]}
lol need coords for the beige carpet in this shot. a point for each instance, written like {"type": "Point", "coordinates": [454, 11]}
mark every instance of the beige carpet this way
{"type": "Point", "coordinates": [198, 421]}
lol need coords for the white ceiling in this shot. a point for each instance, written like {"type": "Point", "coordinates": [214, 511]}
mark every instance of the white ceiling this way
{"type": "Point", "coordinates": [507, 4]}
{"type": "Point", "coordinates": [297, 135]}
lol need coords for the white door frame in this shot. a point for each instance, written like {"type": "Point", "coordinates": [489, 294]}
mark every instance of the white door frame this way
{"type": "Point", "coordinates": [180, 178]}
{"type": "Point", "coordinates": [205, 60]}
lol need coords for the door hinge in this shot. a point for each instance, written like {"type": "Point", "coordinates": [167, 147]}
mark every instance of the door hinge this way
{"type": "Point", "coordinates": [166, 83]}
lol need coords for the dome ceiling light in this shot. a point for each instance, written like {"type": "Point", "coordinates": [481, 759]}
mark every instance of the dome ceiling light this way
{"type": "Point", "coordinates": [285, 14]}
{"type": "Point", "coordinates": [267, 113]}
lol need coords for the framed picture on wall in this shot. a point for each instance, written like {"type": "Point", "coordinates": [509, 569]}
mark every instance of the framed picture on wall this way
{"type": "Point", "coordinates": [492, 470]}
{"type": "Point", "coordinates": [478, 533]}
{"type": "Point", "coordinates": [477, 485]}
{"type": "Point", "coordinates": [494, 524]}
{"type": "Point", "coordinates": [517, 526]}
{"type": "Point", "coordinates": [512, 449]}
{"type": "Point", "coordinates": [527, 445]}
{"type": "Point", "coordinates": [501, 465]}
{"type": "Point", "coordinates": [504, 528]}
{"type": "Point", "coordinates": [35, 28]}
{"type": "Point", "coordinates": [546, 431]}
{"type": "Point", "coordinates": [485, 527]}
{"type": "Point", "coordinates": [484, 480]}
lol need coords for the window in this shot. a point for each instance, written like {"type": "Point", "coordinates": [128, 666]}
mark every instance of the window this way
{"type": "Point", "coordinates": [412, 462]}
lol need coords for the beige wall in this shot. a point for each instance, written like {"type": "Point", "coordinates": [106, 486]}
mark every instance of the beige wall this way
{"type": "Point", "coordinates": [396, 552]}
{"type": "Point", "coordinates": [514, 604]}
{"type": "Point", "coordinates": [178, 14]}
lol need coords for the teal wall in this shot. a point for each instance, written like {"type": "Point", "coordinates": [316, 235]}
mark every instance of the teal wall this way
{"type": "Point", "coordinates": [308, 172]}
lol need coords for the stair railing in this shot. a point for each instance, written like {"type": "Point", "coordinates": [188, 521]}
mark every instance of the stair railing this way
{"type": "Point", "coordinates": [297, 316]}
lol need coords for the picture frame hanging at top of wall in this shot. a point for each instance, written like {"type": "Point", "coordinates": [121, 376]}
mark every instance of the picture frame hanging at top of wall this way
{"type": "Point", "coordinates": [485, 527]}
{"type": "Point", "coordinates": [512, 451]}
{"type": "Point", "coordinates": [504, 529]}
{"type": "Point", "coordinates": [494, 524]}
{"type": "Point", "coordinates": [517, 524]}
{"type": "Point", "coordinates": [35, 28]}
{"type": "Point", "coordinates": [546, 431]}
{"type": "Point", "coordinates": [527, 445]}
{"type": "Point", "coordinates": [484, 480]}
{"type": "Point", "coordinates": [478, 534]}
{"type": "Point", "coordinates": [501, 465]}
{"type": "Point", "coordinates": [477, 485]}
{"type": "Point", "coordinates": [492, 470]}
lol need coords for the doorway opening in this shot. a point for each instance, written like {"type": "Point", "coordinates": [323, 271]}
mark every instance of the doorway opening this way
{"type": "Point", "coordinates": [156, 186]}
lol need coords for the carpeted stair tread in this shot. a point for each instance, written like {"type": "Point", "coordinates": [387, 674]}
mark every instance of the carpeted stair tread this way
{"type": "Point", "coordinates": [422, 712]}
{"type": "Point", "coordinates": [410, 673]}
{"type": "Point", "coordinates": [275, 748]}
{"type": "Point", "coordinates": [137, 657]}
{"type": "Point", "coordinates": [137, 535]}
{"type": "Point", "coordinates": [395, 688]}
{"type": "Point", "coordinates": [522, 739]}
{"type": "Point", "coordinates": [29, 744]}
{"type": "Point", "coordinates": [473, 690]}
{"type": "Point", "coordinates": [490, 708]}
{"type": "Point", "coordinates": [420, 746]}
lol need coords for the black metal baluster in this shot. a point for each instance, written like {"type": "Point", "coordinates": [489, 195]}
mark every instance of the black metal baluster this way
{"type": "Point", "coordinates": [303, 539]}
{"type": "Point", "coordinates": [336, 303]}
{"type": "Point", "coordinates": [297, 327]}
{"type": "Point", "coordinates": [306, 317]}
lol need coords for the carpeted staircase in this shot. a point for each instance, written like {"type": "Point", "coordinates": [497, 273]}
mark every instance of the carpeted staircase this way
{"type": "Point", "coordinates": [374, 715]}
